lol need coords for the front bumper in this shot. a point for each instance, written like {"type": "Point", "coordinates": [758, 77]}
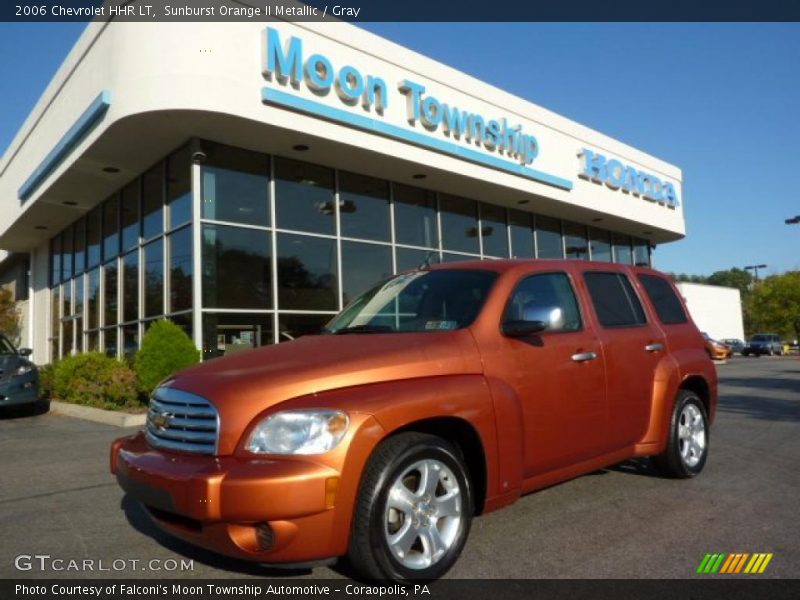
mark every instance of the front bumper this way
{"type": "Point", "coordinates": [265, 510]}
{"type": "Point", "coordinates": [18, 390]}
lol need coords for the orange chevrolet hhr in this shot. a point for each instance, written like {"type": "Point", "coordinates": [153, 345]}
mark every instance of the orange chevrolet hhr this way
{"type": "Point", "coordinates": [438, 395]}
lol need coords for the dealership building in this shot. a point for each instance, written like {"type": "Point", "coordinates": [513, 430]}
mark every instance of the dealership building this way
{"type": "Point", "coordinates": [247, 180]}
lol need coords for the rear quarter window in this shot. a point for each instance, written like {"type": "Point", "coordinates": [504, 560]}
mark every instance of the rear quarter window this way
{"type": "Point", "coordinates": [615, 302]}
{"type": "Point", "coordinates": [664, 299]}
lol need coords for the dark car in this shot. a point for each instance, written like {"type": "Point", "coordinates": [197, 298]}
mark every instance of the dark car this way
{"type": "Point", "coordinates": [19, 377]}
{"type": "Point", "coordinates": [734, 344]}
{"type": "Point", "coordinates": [764, 343]}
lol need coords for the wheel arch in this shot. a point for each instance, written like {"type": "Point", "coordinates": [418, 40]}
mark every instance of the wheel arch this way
{"type": "Point", "coordinates": [463, 435]}
{"type": "Point", "coordinates": [698, 385]}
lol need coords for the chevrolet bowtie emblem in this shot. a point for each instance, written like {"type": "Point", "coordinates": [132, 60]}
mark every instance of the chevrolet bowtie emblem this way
{"type": "Point", "coordinates": [162, 420]}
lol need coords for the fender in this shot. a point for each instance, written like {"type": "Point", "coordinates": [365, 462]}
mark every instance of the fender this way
{"type": "Point", "coordinates": [673, 370]}
{"type": "Point", "coordinates": [378, 410]}
{"type": "Point", "coordinates": [665, 385]}
{"type": "Point", "coordinates": [510, 446]}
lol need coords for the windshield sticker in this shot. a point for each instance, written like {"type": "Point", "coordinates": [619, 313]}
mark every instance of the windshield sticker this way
{"type": "Point", "coordinates": [441, 325]}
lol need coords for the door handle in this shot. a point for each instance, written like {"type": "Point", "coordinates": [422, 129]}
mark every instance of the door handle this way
{"type": "Point", "coordinates": [584, 356]}
{"type": "Point", "coordinates": [657, 347]}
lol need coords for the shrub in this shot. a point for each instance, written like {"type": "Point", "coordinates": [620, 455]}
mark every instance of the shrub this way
{"type": "Point", "coordinates": [95, 379]}
{"type": "Point", "coordinates": [165, 350]}
{"type": "Point", "coordinates": [46, 373]}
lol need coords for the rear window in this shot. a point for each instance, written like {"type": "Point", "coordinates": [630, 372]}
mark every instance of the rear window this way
{"type": "Point", "coordinates": [664, 299]}
{"type": "Point", "coordinates": [764, 338]}
{"type": "Point", "coordinates": [614, 300]}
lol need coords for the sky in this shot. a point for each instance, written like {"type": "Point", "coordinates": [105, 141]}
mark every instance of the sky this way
{"type": "Point", "coordinates": [720, 101]}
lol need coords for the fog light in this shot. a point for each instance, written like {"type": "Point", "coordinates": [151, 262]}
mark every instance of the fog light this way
{"type": "Point", "coordinates": [265, 536]}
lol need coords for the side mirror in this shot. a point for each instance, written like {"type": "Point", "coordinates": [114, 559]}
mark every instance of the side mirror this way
{"type": "Point", "coordinates": [523, 328]}
{"type": "Point", "coordinates": [25, 351]}
{"type": "Point", "coordinates": [535, 319]}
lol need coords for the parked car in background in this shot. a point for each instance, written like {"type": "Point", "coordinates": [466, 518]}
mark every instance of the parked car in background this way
{"type": "Point", "coordinates": [734, 344]}
{"type": "Point", "coordinates": [716, 350]}
{"type": "Point", "coordinates": [764, 343]}
{"type": "Point", "coordinates": [437, 395]}
{"type": "Point", "coordinates": [19, 377]}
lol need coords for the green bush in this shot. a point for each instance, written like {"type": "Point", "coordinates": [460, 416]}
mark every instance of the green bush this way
{"type": "Point", "coordinates": [46, 373]}
{"type": "Point", "coordinates": [95, 379]}
{"type": "Point", "coordinates": [165, 350]}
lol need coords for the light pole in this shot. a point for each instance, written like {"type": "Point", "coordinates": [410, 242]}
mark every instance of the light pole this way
{"type": "Point", "coordinates": [755, 269]}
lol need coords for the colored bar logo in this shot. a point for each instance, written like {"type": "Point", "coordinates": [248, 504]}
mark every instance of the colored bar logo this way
{"type": "Point", "coordinates": [732, 564]}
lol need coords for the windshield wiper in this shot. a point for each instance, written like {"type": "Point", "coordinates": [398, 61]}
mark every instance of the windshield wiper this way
{"type": "Point", "coordinates": [364, 329]}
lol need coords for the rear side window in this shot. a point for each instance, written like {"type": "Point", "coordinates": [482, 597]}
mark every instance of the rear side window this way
{"type": "Point", "coordinates": [614, 300]}
{"type": "Point", "coordinates": [664, 299]}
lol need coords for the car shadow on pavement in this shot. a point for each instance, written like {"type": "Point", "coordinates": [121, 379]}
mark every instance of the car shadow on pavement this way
{"type": "Point", "coordinates": [140, 520]}
{"type": "Point", "coordinates": [638, 466]}
{"type": "Point", "coordinates": [634, 466]}
{"type": "Point", "coordinates": [25, 410]}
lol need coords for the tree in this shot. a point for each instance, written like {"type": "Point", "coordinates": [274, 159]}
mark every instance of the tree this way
{"type": "Point", "coordinates": [773, 305]}
{"type": "Point", "coordinates": [9, 317]}
{"type": "Point", "coordinates": [735, 278]}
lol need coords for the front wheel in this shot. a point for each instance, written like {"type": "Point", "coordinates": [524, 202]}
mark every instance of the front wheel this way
{"type": "Point", "coordinates": [687, 447]}
{"type": "Point", "coordinates": [413, 511]}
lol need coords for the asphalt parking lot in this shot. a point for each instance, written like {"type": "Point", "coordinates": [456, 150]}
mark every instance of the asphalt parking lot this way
{"type": "Point", "coordinates": [58, 498]}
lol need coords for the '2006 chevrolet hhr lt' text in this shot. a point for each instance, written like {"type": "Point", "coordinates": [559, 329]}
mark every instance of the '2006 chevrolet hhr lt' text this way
{"type": "Point", "coordinates": [438, 395]}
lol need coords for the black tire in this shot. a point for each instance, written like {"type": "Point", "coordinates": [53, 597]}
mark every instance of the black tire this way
{"type": "Point", "coordinates": [671, 462]}
{"type": "Point", "coordinates": [369, 552]}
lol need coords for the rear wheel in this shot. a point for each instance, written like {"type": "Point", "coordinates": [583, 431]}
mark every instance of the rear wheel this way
{"type": "Point", "coordinates": [687, 447]}
{"type": "Point", "coordinates": [414, 510]}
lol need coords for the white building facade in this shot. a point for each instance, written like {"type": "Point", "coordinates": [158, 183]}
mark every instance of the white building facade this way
{"type": "Point", "coordinates": [715, 309]}
{"type": "Point", "coordinates": [247, 180]}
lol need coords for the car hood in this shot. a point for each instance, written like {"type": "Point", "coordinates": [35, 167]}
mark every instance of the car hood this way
{"type": "Point", "coordinates": [243, 385]}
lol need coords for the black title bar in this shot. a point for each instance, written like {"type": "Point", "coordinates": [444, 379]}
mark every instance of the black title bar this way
{"type": "Point", "coordinates": [399, 10]}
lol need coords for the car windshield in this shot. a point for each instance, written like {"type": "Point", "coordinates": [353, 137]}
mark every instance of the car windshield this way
{"type": "Point", "coordinates": [760, 338]}
{"type": "Point", "coordinates": [6, 348]}
{"type": "Point", "coordinates": [421, 301]}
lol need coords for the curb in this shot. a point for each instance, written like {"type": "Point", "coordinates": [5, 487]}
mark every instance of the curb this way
{"type": "Point", "coordinates": [98, 415]}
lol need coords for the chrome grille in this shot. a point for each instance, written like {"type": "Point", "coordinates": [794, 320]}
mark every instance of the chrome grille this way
{"type": "Point", "coordinates": [178, 420]}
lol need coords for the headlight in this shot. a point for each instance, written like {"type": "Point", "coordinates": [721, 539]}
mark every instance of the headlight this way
{"type": "Point", "coordinates": [23, 370]}
{"type": "Point", "coordinates": [299, 432]}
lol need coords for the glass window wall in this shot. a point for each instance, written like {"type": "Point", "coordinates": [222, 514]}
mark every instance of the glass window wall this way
{"type": "Point", "coordinates": [459, 224]}
{"type": "Point", "coordinates": [236, 268]}
{"type": "Point", "coordinates": [235, 186]}
{"type": "Point", "coordinates": [549, 243]}
{"type": "Point", "coordinates": [304, 197]}
{"type": "Point", "coordinates": [493, 231]}
{"type": "Point", "coordinates": [364, 207]}
{"type": "Point", "coordinates": [247, 262]}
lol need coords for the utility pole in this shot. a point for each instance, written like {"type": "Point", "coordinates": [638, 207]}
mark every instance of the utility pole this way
{"type": "Point", "coordinates": [755, 269]}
